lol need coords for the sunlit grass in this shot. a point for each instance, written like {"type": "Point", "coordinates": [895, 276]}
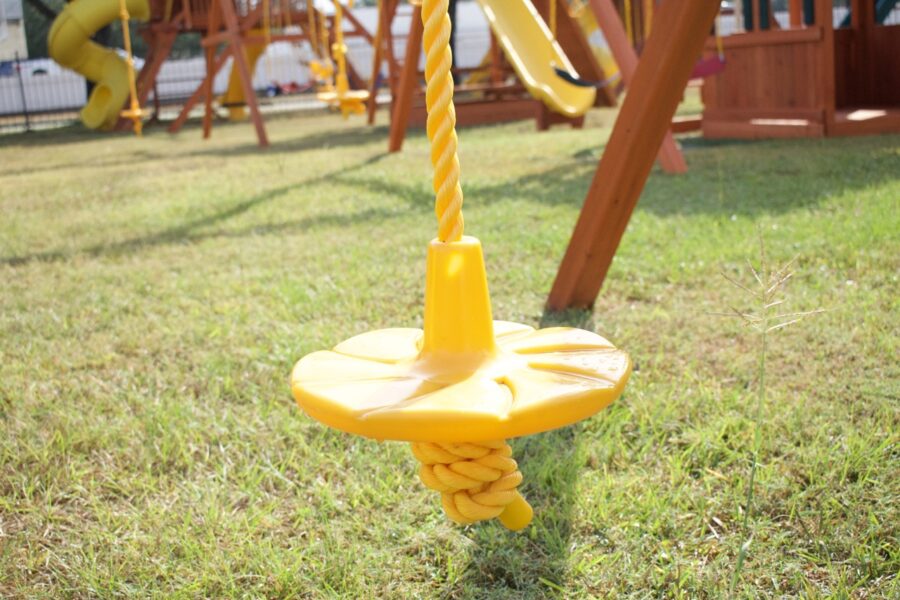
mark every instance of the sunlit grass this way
{"type": "Point", "coordinates": [156, 293]}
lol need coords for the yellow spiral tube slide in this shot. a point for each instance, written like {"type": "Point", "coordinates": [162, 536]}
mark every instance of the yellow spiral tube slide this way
{"type": "Point", "coordinates": [69, 44]}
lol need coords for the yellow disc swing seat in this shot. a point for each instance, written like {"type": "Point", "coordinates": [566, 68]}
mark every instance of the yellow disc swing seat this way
{"type": "Point", "coordinates": [462, 386]}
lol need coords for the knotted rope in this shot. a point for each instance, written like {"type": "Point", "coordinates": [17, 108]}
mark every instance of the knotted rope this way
{"type": "Point", "coordinates": [476, 481]}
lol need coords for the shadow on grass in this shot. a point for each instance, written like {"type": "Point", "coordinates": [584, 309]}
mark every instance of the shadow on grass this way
{"type": "Point", "coordinates": [776, 177]}
{"type": "Point", "coordinates": [758, 177]}
{"type": "Point", "coordinates": [69, 134]}
{"type": "Point", "coordinates": [187, 232]}
{"type": "Point", "coordinates": [138, 157]}
{"type": "Point", "coordinates": [416, 197]}
{"type": "Point", "coordinates": [350, 136]}
{"type": "Point", "coordinates": [562, 184]}
{"type": "Point", "coordinates": [533, 563]}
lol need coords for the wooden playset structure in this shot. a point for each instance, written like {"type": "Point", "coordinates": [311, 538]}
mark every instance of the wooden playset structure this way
{"type": "Point", "coordinates": [809, 79]}
{"type": "Point", "coordinates": [493, 94]}
{"type": "Point", "coordinates": [229, 29]}
{"type": "Point", "coordinates": [488, 93]}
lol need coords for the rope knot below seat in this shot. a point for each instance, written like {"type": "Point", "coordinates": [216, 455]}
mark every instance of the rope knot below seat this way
{"type": "Point", "coordinates": [477, 481]}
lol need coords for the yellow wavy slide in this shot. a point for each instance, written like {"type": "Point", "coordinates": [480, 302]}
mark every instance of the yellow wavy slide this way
{"type": "Point", "coordinates": [533, 53]}
{"type": "Point", "coordinates": [69, 44]}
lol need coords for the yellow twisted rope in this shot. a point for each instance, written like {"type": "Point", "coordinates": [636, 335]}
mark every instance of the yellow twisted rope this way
{"type": "Point", "coordinates": [476, 481]}
{"type": "Point", "coordinates": [441, 124]}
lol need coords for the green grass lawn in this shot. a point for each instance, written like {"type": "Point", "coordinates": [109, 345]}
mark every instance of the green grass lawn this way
{"type": "Point", "coordinates": [156, 293]}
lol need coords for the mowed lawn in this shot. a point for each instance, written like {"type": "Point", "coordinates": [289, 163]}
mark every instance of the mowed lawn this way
{"type": "Point", "coordinates": [156, 293]}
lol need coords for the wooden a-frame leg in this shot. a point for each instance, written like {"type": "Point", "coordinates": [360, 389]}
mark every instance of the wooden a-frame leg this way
{"type": "Point", "coordinates": [208, 92]}
{"type": "Point", "coordinates": [199, 93]}
{"type": "Point", "coordinates": [670, 157]}
{"type": "Point", "coordinates": [386, 10]}
{"type": "Point", "coordinates": [376, 65]}
{"type": "Point", "coordinates": [642, 124]}
{"type": "Point", "coordinates": [161, 47]}
{"type": "Point", "coordinates": [240, 61]}
{"type": "Point", "coordinates": [209, 51]}
{"type": "Point", "coordinates": [408, 78]}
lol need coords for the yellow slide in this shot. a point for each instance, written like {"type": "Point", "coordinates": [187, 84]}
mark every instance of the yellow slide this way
{"type": "Point", "coordinates": [69, 44]}
{"type": "Point", "coordinates": [530, 48]}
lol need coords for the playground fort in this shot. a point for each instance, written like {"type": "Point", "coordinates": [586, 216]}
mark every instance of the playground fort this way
{"type": "Point", "coordinates": [808, 72]}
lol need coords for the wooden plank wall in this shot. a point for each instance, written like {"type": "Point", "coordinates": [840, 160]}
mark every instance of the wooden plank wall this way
{"type": "Point", "coordinates": [776, 73]}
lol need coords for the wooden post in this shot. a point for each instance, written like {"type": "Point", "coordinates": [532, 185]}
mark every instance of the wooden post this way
{"type": "Point", "coordinates": [670, 157]}
{"type": "Point", "coordinates": [496, 69]}
{"type": "Point", "coordinates": [795, 13]}
{"type": "Point", "coordinates": [160, 43]}
{"type": "Point", "coordinates": [389, 47]}
{"type": "Point", "coordinates": [209, 52]}
{"type": "Point", "coordinates": [646, 114]}
{"type": "Point", "coordinates": [825, 19]}
{"type": "Point", "coordinates": [240, 61]}
{"type": "Point", "coordinates": [371, 104]}
{"type": "Point", "coordinates": [408, 79]}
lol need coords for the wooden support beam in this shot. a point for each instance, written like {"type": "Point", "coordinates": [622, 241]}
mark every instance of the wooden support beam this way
{"type": "Point", "coordinates": [795, 13]}
{"type": "Point", "coordinates": [824, 18]}
{"type": "Point", "coordinates": [243, 67]}
{"type": "Point", "coordinates": [358, 28]}
{"type": "Point", "coordinates": [209, 51]}
{"type": "Point", "coordinates": [496, 69]}
{"type": "Point", "coordinates": [208, 92]}
{"type": "Point", "coordinates": [160, 46]}
{"type": "Point", "coordinates": [643, 121]}
{"type": "Point", "coordinates": [377, 47]}
{"type": "Point", "coordinates": [408, 80]}
{"type": "Point", "coordinates": [199, 93]}
{"type": "Point", "coordinates": [393, 68]}
{"type": "Point", "coordinates": [670, 157]}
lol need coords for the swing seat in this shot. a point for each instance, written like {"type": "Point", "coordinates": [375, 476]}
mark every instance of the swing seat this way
{"type": "Point", "coordinates": [465, 378]}
{"type": "Point", "coordinates": [138, 113]}
{"type": "Point", "coordinates": [349, 102]}
{"type": "Point", "coordinates": [708, 67]}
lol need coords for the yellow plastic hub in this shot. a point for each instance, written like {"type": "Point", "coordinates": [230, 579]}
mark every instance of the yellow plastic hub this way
{"type": "Point", "coordinates": [465, 378]}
